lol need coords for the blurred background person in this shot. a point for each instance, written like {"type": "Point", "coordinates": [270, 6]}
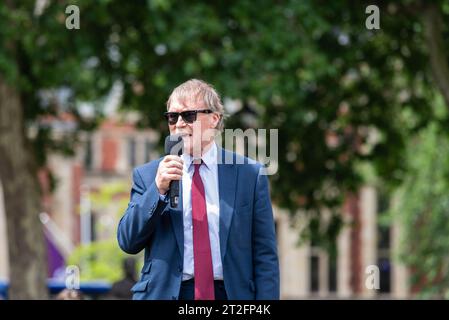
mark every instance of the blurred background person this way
{"type": "Point", "coordinates": [121, 289]}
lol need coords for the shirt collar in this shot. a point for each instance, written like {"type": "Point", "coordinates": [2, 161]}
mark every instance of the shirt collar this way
{"type": "Point", "coordinates": [209, 157]}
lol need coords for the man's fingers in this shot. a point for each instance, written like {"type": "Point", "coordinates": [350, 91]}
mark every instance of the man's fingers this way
{"type": "Point", "coordinates": [172, 176]}
{"type": "Point", "coordinates": [170, 157]}
{"type": "Point", "coordinates": [173, 164]}
{"type": "Point", "coordinates": [174, 170]}
{"type": "Point", "coordinates": [169, 169]}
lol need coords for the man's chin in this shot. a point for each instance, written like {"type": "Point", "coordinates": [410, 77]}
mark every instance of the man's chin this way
{"type": "Point", "coordinates": [185, 135]}
{"type": "Point", "coordinates": [194, 151]}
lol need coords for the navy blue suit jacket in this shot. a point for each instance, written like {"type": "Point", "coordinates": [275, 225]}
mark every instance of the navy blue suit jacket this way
{"type": "Point", "coordinates": [246, 230]}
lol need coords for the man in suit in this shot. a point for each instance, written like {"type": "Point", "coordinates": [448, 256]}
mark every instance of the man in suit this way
{"type": "Point", "coordinates": [219, 243]}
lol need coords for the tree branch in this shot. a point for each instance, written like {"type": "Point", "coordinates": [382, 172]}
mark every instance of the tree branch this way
{"type": "Point", "coordinates": [433, 24]}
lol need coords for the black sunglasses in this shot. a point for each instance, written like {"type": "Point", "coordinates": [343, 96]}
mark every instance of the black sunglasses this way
{"type": "Point", "coordinates": [187, 116]}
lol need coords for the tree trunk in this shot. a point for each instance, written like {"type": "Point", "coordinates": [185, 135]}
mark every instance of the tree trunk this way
{"type": "Point", "coordinates": [433, 24]}
{"type": "Point", "coordinates": [27, 255]}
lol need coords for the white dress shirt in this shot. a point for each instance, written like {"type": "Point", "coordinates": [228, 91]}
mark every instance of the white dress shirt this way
{"type": "Point", "coordinates": [209, 176]}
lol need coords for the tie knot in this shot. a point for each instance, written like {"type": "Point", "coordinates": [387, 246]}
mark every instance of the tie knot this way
{"type": "Point", "coordinates": [197, 163]}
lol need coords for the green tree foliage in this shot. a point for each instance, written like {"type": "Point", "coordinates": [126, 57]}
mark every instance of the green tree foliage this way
{"type": "Point", "coordinates": [422, 211]}
{"type": "Point", "coordinates": [100, 261]}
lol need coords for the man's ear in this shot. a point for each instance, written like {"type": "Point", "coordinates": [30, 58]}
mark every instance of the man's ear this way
{"type": "Point", "coordinates": [215, 120]}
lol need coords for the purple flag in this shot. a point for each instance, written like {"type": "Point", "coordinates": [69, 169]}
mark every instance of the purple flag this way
{"type": "Point", "coordinates": [55, 259]}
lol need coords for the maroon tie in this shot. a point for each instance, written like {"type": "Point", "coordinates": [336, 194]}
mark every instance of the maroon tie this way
{"type": "Point", "coordinates": [202, 258]}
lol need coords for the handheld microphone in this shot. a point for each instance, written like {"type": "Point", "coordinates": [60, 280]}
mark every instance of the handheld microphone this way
{"type": "Point", "coordinates": [173, 146]}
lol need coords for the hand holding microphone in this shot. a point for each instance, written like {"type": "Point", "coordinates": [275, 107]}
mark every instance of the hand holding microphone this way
{"type": "Point", "coordinates": [170, 169]}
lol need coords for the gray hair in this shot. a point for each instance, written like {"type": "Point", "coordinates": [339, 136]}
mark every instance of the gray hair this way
{"type": "Point", "coordinates": [202, 92]}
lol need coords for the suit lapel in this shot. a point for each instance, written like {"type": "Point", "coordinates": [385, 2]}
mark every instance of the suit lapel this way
{"type": "Point", "coordinates": [227, 178]}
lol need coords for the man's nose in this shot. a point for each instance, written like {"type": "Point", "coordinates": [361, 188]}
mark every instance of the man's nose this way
{"type": "Point", "coordinates": [180, 122]}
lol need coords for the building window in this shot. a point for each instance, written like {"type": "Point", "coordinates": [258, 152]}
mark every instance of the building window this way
{"type": "Point", "coordinates": [383, 244]}
{"type": "Point", "coordinates": [332, 277]}
{"type": "Point", "coordinates": [88, 156]}
{"type": "Point", "coordinates": [323, 271]}
{"type": "Point", "coordinates": [132, 152]}
{"type": "Point", "coordinates": [314, 273]}
{"type": "Point", "coordinates": [93, 228]}
{"type": "Point", "coordinates": [385, 275]}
